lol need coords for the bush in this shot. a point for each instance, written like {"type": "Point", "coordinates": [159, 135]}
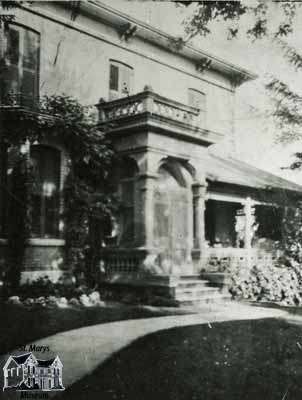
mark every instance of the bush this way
{"type": "Point", "coordinates": [44, 287]}
{"type": "Point", "coordinates": [274, 283]}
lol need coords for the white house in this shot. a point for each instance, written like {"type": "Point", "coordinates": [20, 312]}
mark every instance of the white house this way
{"type": "Point", "coordinates": [26, 372]}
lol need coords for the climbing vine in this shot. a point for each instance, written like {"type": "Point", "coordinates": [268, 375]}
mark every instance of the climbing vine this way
{"type": "Point", "coordinates": [87, 196]}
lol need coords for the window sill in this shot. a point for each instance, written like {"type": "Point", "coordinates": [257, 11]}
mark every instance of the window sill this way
{"type": "Point", "coordinates": [39, 242]}
{"type": "Point", "coordinates": [46, 242]}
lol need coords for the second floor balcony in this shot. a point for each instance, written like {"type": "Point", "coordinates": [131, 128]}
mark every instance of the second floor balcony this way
{"type": "Point", "coordinates": [150, 111]}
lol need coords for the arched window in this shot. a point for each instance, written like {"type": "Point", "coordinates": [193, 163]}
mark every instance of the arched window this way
{"type": "Point", "coordinates": [46, 162]}
{"type": "Point", "coordinates": [19, 83]}
{"type": "Point", "coordinates": [120, 80]}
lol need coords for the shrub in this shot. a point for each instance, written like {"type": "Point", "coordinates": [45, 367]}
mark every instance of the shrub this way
{"type": "Point", "coordinates": [44, 287]}
{"type": "Point", "coordinates": [274, 283]}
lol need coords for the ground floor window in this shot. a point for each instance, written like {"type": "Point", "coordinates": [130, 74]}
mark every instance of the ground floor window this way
{"type": "Point", "coordinates": [46, 163]}
{"type": "Point", "coordinates": [127, 176]}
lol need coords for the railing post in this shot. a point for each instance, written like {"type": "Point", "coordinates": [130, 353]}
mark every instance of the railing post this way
{"type": "Point", "coordinates": [102, 115]}
{"type": "Point", "coordinates": [148, 101]}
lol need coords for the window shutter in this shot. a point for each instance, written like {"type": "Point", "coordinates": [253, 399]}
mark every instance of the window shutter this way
{"type": "Point", "coordinates": [30, 52]}
{"type": "Point", "coordinates": [120, 80]}
{"type": "Point", "coordinates": [28, 87]}
{"type": "Point", "coordinates": [197, 99]}
{"type": "Point", "coordinates": [21, 75]}
{"type": "Point", "coordinates": [9, 82]}
{"type": "Point", "coordinates": [13, 46]}
{"type": "Point", "coordinates": [114, 75]}
{"type": "Point", "coordinates": [191, 98]}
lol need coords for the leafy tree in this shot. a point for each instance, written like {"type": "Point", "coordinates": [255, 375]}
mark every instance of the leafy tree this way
{"type": "Point", "coordinates": [257, 19]}
{"type": "Point", "coordinates": [207, 12]}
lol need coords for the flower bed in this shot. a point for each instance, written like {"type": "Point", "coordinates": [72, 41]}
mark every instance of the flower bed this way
{"type": "Point", "coordinates": [62, 294]}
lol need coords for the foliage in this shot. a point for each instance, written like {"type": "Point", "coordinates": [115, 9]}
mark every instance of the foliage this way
{"type": "Point", "coordinates": [207, 12]}
{"type": "Point", "coordinates": [292, 233]}
{"type": "Point", "coordinates": [9, 4]}
{"type": "Point", "coordinates": [43, 287]}
{"type": "Point", "coordinates": [19, 224]}
{"type": "Point", "coordinates": [269, 283]}
{"type": "Point", "coordinates": [257, 19]}
{"type": "Point", "coordinates": [87, 197]}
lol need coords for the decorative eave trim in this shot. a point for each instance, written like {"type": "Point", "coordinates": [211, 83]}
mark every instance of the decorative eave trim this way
{"type": "Point", "coordinates": [118, 19]}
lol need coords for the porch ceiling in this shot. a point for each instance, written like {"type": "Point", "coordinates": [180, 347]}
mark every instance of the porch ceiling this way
{"type": "Point", "coordinates": [232, 171]}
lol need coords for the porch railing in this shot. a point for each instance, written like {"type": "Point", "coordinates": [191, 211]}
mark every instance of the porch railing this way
{"type": "Point", "coordinates": [122, 261]}
{"type": "Point", "coordinates": [220, 259]}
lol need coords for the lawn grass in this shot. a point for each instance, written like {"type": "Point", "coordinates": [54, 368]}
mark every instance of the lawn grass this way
{"type": "Point", "coordinates": [244, 360]}
{"type": "Point", "coordinates": [20, 325]}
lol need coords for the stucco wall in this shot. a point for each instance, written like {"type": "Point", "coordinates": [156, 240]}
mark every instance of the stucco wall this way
{"type": "Point", "coordinates": [77, 63]}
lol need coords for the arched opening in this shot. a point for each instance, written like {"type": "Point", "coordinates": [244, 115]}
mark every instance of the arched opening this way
{"type": "Point", "coordinates": [172, 218]}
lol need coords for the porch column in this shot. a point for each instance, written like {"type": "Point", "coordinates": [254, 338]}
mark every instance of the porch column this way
{"type": "Point", "coordinates": [199, 193]}
{"type": "Point", "coordinates": [146, 189]}
{"type": "Point", "coordinates": [249, 221]}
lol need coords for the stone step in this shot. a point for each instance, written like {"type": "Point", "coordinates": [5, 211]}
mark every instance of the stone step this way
{"type": "Point", "coordinates": [191, 290]}
{"type": "Point", "coordinates": [190, 277]}
{"type": "Point", "coordinates": [194, 291]}
{"type": "Point", "coordinates": [213, 299]}
{"type": "Point", "coordinates": [196, 295]}
{"type": "Point", "coordinates": [193, 283]}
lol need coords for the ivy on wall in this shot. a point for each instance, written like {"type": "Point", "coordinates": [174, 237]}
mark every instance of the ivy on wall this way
{"type": "Point", "coordinates": [87, 196]}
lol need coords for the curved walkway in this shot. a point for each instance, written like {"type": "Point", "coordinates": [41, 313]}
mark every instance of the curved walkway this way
{"type": "Point", "coordinates": [82, 350]}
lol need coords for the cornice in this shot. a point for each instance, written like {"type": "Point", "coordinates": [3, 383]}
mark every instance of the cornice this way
{"type": "Point", "coordinates": [121, 21]}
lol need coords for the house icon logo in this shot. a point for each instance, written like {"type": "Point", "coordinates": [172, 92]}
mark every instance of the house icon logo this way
{"type": "Point", "coordinates": [27, 373]}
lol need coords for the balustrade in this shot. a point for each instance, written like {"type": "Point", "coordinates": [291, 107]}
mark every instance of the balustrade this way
{"type": "Point", "coordinates": [148, 102]}
{"type": "Point", "coordinates": [221, 259]}
{"type": "Point", "coordinates": [120, 261]}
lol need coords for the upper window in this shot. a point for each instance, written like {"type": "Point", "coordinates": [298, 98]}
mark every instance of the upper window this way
{"type": "Point", "coordinates": [120, 80]}
{"type": "Point", "coordinates": [46, 163]}
{"type": "Point", "coordinates": [197, 99]}
{"type": "Point", "coordinates": [20, 56]}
